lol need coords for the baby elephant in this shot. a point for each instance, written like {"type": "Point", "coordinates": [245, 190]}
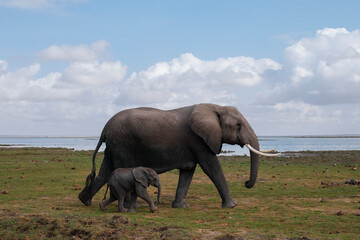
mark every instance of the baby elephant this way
{"type": "Point", "coordinates": [131, 182]}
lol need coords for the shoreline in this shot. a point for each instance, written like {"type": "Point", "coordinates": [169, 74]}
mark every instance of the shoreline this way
{"type": "Point", "coordinates": [227, 153]}
{"type": "Point", "coordinates": [315, 136]}
{"type": "Point", "coordinates": [45, 136]}
{"type": "Point", "coordinates": [281, 144]}
{"type": "Point", "coordinates": [270, 136]}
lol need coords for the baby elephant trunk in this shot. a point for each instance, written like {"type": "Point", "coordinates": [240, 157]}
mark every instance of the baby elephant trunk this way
{"type": "Point", "coordinates": [159, 192]}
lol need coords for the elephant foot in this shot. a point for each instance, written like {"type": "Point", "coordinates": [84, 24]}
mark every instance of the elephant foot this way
{"type": "Point", "coordinates": [229, 204]}
{"type": "Point", "coordinates": [122, 210]}
{"type": "Point", "coordinates": [181, 204]}
{"type": "Point", "coordinates": [128, 204]}
{"type": "Point", "coordinates": [131, 210]}
{"type": "Point", "coordinates": [102, 206]}
{"type": "Point", "coordinates": [152, 209]}
{"type": "Point", "coordinates": [84, 197]}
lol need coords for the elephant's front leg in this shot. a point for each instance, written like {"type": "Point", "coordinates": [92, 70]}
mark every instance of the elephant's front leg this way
{"type": "Point", "coordinates": [142, 193]}
{"type": "Point", "coordinates": [127, 201]}
{"type": "Point", "coordinates": [185, 178]}
{"type": "Point", "coordinates": [213, 169]}
{"type": "Point", "coordinates": [88, 192]}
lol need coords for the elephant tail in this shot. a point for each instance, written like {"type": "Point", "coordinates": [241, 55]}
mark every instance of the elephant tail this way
{"type": "Point", "coordinates": [90, 178]}
{"type": "Point", "coordinates": [107, 188]}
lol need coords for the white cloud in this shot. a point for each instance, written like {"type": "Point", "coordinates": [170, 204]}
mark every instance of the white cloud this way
{"type": "Point", "coordinates": [12, 83]}
{"type": "Point", "coordinates": [3, 66]}
{"type": "Point", "coordinates": [36, 4]}
{"type": "Point", "coordinates": [25, 85]}
{"type": "Point", "coordinates": [79, 78]}
{"type": "Point", "coordinates": [355, 78]}
{"type": "Point", "coordinates": [316, 87]}
{"type": "Point", "coordinates": [93, 73]}
{"type": "Point", "coordinates": [83, 53]}
{"type": "Point", "coordinates": [300, 111]}
{"type": "Point", "coordinates": [81, 91]}
{"type": "Point", "coordinates": [331, 32]}
{"type": "Point", "coordinates": [323, 70]}
{"type": "Point", "coordinates": [27, 4]}
{"type": "Point", "coordinates": [97, 89]}
{"type": "Point", "coordinates": [188, 79]}
{"type": "Point", "coordinates": [300, 74]}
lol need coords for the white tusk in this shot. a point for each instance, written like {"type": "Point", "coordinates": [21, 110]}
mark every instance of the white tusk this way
{"type": "Point", "coordinates": [268, 151]}
{"type": "Point", "coordinates": [261, 153]}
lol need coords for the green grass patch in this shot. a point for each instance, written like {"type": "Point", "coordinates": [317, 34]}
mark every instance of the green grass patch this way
{"type": "Point", "coordinates": [301, 195]}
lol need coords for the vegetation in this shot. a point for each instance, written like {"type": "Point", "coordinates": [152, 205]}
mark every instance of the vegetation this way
{"type": "Point", "coordinates": [297, 196]}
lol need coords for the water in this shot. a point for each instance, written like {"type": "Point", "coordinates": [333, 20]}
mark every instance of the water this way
{"type": "Point", "coordinates": [76, 143]}
{"type": "Point", "coordinates": [295, 144]}
{"type": "Point", "coordinates": [281, 144]}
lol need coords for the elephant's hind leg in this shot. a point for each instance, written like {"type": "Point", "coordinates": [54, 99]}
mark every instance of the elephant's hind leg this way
{"type": "Point", "coordinates": [103, 204]}
{"type": "Point", "coordinates": [185, 178]}
{"type": "Point", "coordinates": [120, 195]}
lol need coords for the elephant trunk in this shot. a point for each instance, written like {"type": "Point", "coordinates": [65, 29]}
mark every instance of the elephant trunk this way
{"type": "Point", "coordinates": [254, 159]}
{"type": "Point", "coordinates": [159, 193]}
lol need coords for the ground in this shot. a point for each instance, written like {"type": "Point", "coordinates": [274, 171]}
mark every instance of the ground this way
{"type": "Point", "coordinates": [297, 196]}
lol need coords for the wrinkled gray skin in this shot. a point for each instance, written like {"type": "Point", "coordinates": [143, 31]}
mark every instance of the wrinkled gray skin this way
{"type": "Point", "coordinates": [174, 139]}
{"type": "Point", "coordinates": [131, 182]}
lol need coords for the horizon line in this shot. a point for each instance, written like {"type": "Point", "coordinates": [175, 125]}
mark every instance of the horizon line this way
{"type": "Point", "coordinates": [260, 136]}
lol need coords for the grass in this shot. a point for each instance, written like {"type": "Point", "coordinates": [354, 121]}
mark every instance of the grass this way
{"type": "Point", "coordinates": [299, 196]}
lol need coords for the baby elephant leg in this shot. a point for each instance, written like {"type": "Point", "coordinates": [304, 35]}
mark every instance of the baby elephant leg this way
{"type": "Point", "coordinates": [127, 201]}
{"type": "Point", "coordinates": [142, 193]}
{"type": "Point", "coordinates": [104, 203]}
{"type": "Point", "coordinates": [120, 195]}
{"type": "Point", "coordinates": [133, 202]}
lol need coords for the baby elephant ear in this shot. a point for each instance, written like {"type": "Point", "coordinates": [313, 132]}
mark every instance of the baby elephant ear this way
{"type": "Point", "coordinates": [141, 175]}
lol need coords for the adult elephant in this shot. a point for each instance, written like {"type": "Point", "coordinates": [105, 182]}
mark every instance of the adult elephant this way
{"type": "Point", "coordinates": [174, 139]}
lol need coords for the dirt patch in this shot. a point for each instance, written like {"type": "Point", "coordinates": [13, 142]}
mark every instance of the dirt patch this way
{"type": "Point", "coordinates": [168, 232]}
{"type": "Point", "coordinates": [118, 221]}
{"type": "Point", "coordinates": [33, 226]}
{"type": "Point", "coordinates": [214, 235]}
{"type": "Point", "coordinates": [208, 234]}
{"type": "Point", "coordinates": [230, 237]}
{"type": "Point", "coordinates": [80, 233]}
{"type": "Point", "coordinates": [301, 238]}
{"type": "Point", "coordinates": [43, 226]}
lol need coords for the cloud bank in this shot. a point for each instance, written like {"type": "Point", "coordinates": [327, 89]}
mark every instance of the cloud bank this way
{"type": "Point", "coordinates": [188, 79]}
{"type": "Point", "coordinates": [318, 84]}
{"type": "Point", "coordinates": [321, 70]}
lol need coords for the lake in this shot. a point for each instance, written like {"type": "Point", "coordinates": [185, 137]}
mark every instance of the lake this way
{"type": "Point", "coordinates": [281, 144]}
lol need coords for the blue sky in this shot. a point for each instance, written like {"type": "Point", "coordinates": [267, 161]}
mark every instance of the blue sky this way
{"type": "Point", "coordinates": [66, 66]}
{"type": "Point", "coordinates": [144, 32]}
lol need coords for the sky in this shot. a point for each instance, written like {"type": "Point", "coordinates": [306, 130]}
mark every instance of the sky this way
{"type": "Point", "coordinates": [290, 67]}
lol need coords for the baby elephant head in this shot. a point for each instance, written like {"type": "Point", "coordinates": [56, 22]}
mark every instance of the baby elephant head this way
{"type": "Point", "coordinates": [146, 177]}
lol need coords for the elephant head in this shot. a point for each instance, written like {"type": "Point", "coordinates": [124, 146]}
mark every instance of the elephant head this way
{"type": "Point", "coordinates": [217, 124]}
{"type": "Point", "coordinates": [146, 177]}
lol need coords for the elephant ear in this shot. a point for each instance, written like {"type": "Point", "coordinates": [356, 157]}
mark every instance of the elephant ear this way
{"type": "Point", "coordinates": [205, 122]}
{"type": "Point", "coordinates": [141, 175]}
